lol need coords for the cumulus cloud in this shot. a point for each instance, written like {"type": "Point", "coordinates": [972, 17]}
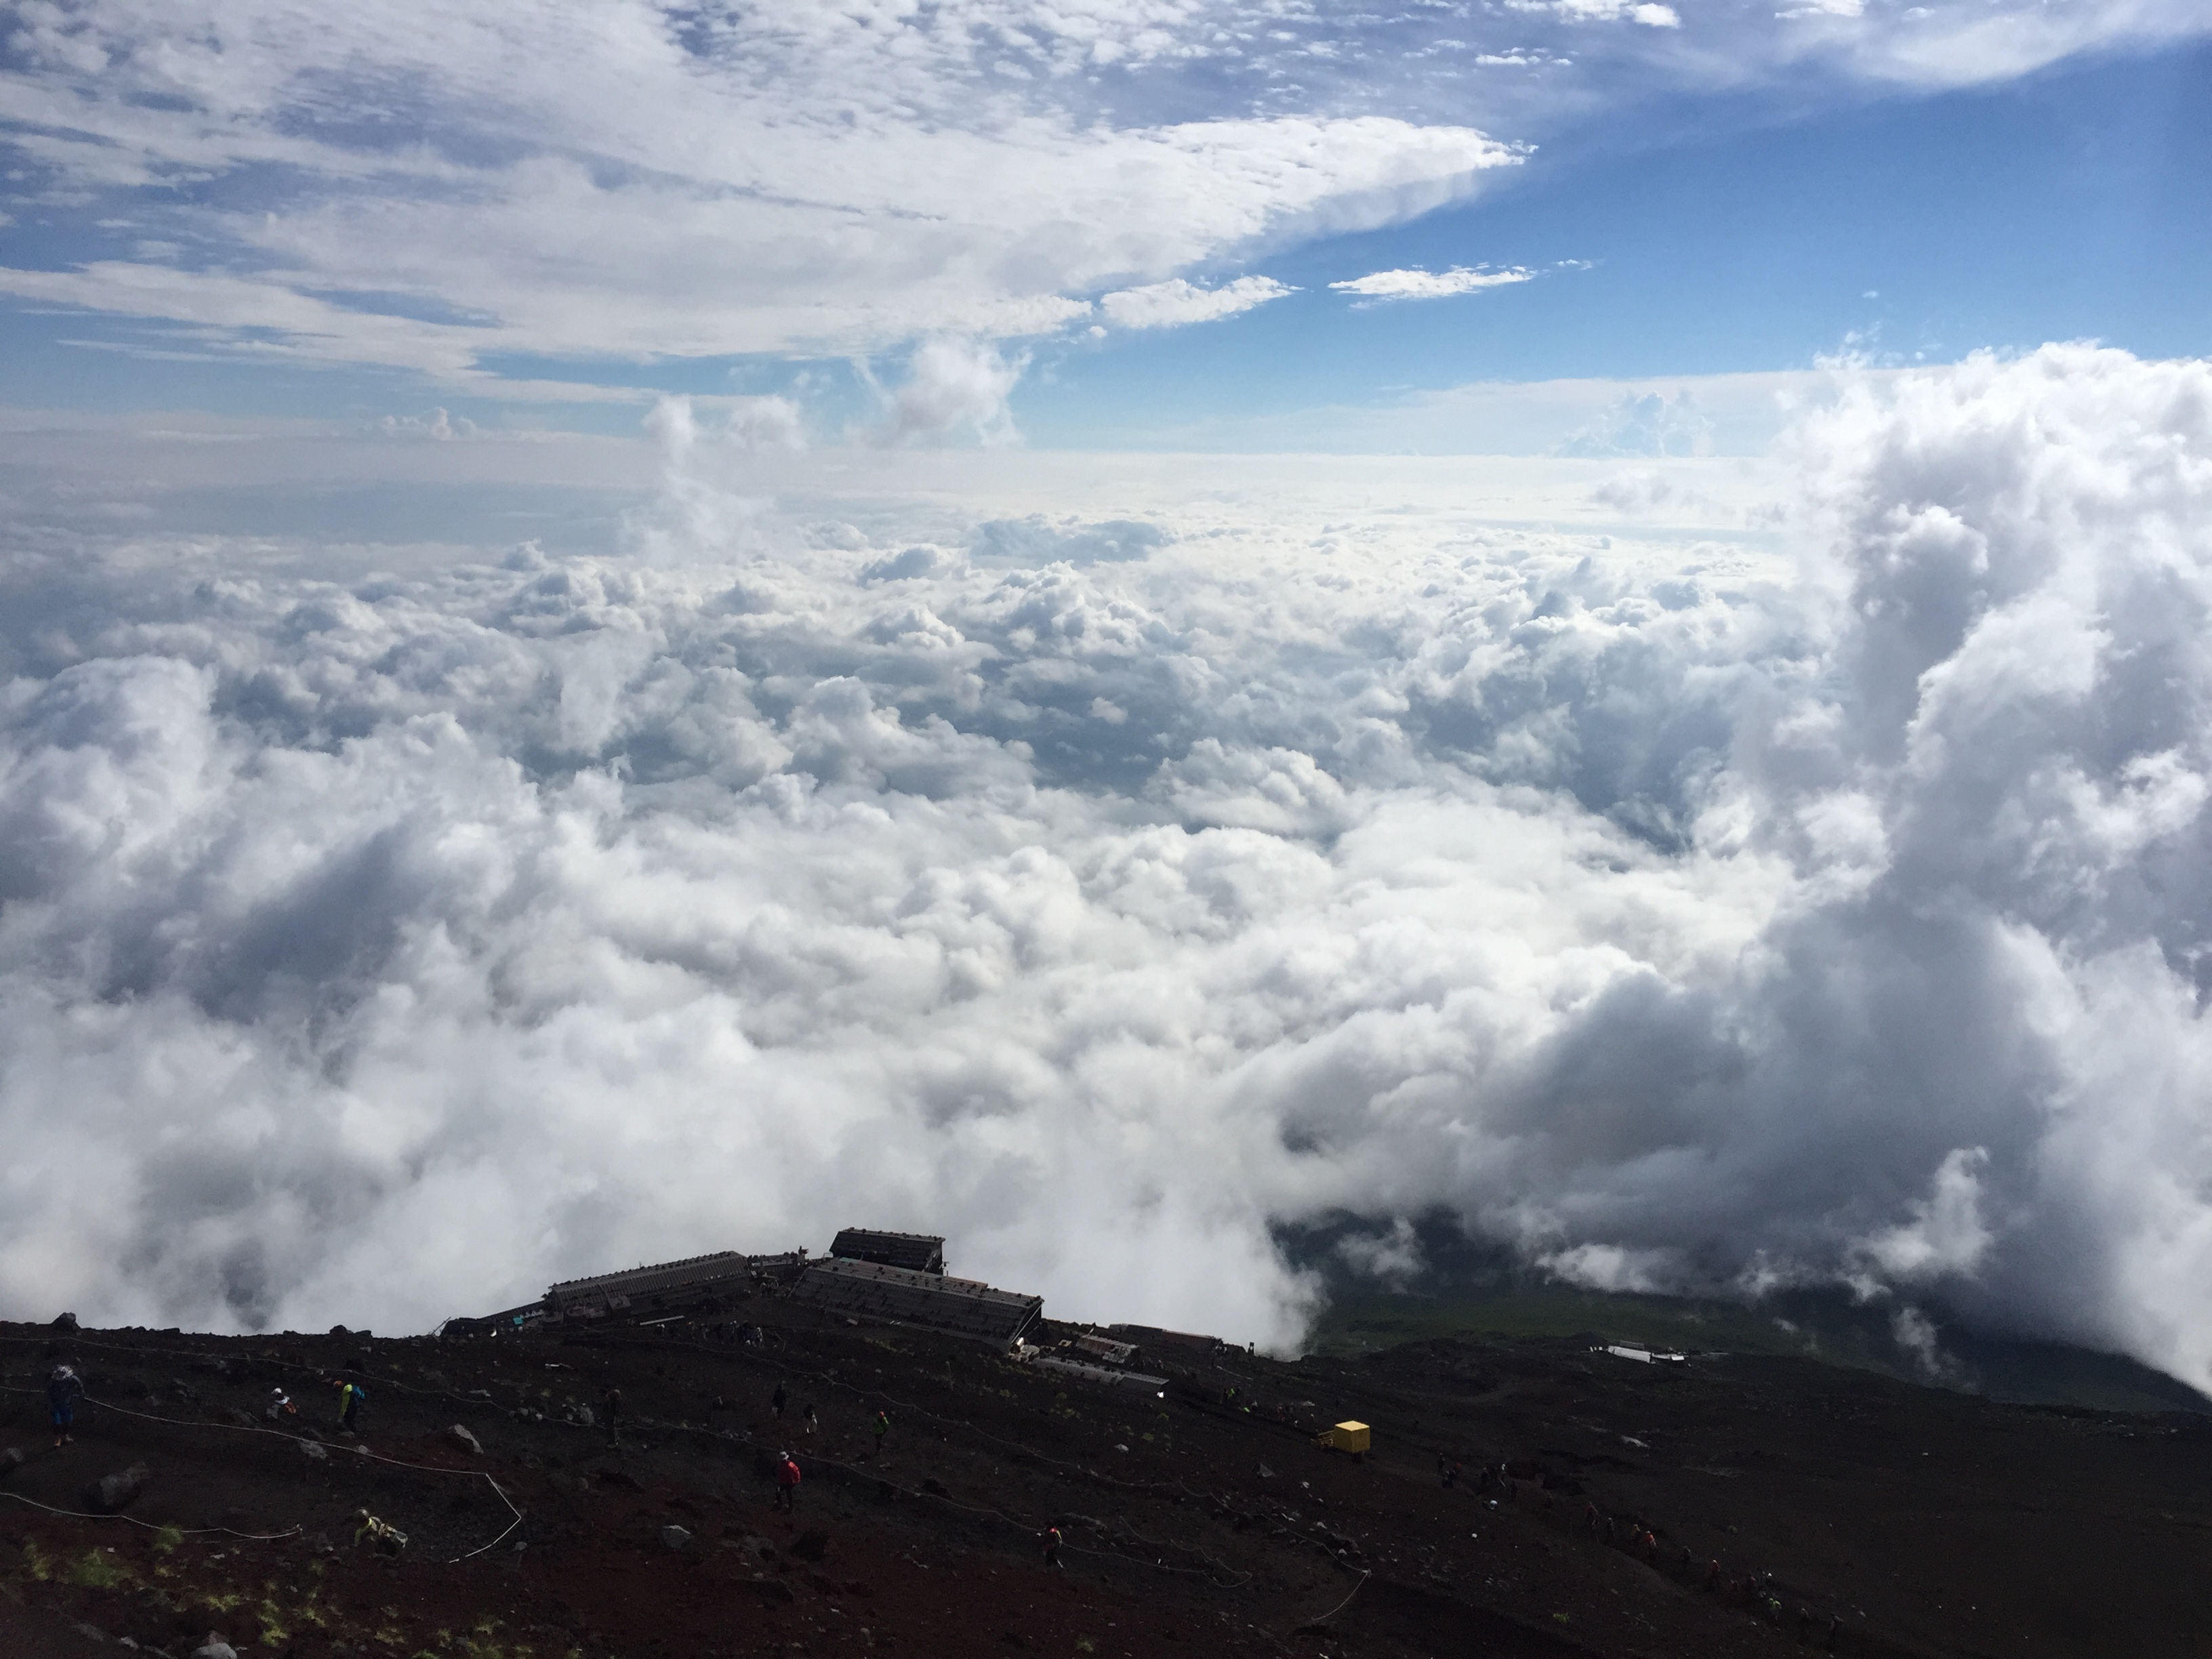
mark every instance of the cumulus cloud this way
{"type": "Point", "coordinates": [953, 387]}
{"type": "Point", "coordinates": [1431, 284]}
{"type": "Point", "coordinates": [1174, 303]}
{"type": "Point", "coordinates": [1645, 423]}
{"type": "Point", "coordinates": [384, 935]}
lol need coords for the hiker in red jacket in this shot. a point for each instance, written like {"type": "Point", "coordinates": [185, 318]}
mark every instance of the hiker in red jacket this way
{"type": "Point", "coordinates": [787, 1484]}
{"type": "Point", "coordinates": [1052, 1546]}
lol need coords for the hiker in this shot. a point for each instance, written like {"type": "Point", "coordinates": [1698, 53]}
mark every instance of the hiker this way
{"type": "Point", "coordinates": [1052, 1548]}
{"type": "Point", "coordinates": [1713, 1575]}
{"type": "Point", "coordinates": [352, 1397]}
{"type": "Point", "coordinates": [776, 1401]}
{"type": "Point", "coordinates": [388, 1540]}
{"type": "Point", "coordinates": [610, 1407]}
{"type": "Point", "coordinates": [879, 1428]}
{"type": "Point", "coordinates": [280, 1406]}
{"type": "Point", "coordinates": [64, 1390]}
{"type": "Point", "coordinates": [808, 1420]}
{"type": "Point", "coordinates": [787, 1483]}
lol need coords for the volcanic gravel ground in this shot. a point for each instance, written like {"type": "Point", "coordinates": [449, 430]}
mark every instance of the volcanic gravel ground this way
{"type": "Point", "coordinates": [1846, 1512]}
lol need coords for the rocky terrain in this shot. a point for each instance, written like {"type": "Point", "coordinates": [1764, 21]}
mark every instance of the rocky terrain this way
{"type": "Point", "coordinates": [1747, 1504]}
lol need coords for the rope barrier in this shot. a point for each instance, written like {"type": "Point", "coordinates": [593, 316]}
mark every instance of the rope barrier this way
{"type": "Point", "coordinates": [155, 1526]}
{"type": "Point", "coordinates": [297, 1440]}
{"type": "Point", "coordinates": [1364, 1576]}
{"type": "Point", "coordinates": [826, 1381]}
{"type": "Point", "coordinates": [1237, 1578]}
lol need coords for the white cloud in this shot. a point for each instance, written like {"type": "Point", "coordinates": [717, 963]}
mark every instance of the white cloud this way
{"type": "Point", "coordinates": [1431, 284]}
{"type": "Point", "coordinates": [636, 182]}
{"type": "Point", "coordinates": [953, 386]}
{"type": "Point", "coordinates": [437, 189]}
{"type": "Point", "coordinates": [1173, 303]}
{"type": "Point", "coordinates": [1650, 15]}
{"type": "Point", "coordinates": [1821, 903]}
{"type": "Point", "coordinates": [1946, 1234]}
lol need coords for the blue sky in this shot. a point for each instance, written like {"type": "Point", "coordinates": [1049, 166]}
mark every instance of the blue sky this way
{"type": "Point", "coordinates": [1116, 225]}
{"type": "Point", "coordinates": [2077, 204]}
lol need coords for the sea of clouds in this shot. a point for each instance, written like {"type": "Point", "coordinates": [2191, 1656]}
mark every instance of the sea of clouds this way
{"type": "Point", "coordinates": [1823, 902]}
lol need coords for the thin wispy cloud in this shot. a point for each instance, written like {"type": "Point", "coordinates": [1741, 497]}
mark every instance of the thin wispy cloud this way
{"type": "Point", "coordinates": [1177, 303]}
{"type": "Point", "coordinates": [447, 192]}
{"type": "Point", "coordinates": [1431, 284]}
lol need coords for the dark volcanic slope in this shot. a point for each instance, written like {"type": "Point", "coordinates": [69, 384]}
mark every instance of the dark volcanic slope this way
{"type": "Point", "coordinates": [1920, 1522]}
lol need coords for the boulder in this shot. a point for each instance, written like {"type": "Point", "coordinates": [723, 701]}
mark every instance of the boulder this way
{"type": "Point", "coordinates": [469, 1441]}
{"type": "Point", "coordinates": [112, 1493]}
{"type": "Point", "coordinates": [214, 1648]}
{"type": "Point", "coordinates": [10, 1460]}
{"type": "Point", "coordinates": [812, 1546]}
{"type": "Point", "coordinates": [65, 1321]}
{"type": "Point", "coordinates": [314, 1452]}
{"type": "Point", "coordinates": [675, 1537]}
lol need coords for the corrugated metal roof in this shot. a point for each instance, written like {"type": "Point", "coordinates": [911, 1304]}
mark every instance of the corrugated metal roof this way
{"type": "Point", "coordinates": [917, 1252]}
{"type": "Point", "coordinates": [648, 1280]}
{"type": "Point", "coordinates": [872, 1290]}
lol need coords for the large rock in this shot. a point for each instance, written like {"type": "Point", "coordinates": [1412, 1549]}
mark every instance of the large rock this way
{"type": "Point", "coordinates": [66, 1322]}
{"type": "Point", "coordinates": [460, 1433]}
{"type": "Point", "coordinates": [10, 1460]}
{"type": "Point", "coordinates": [112, 1493]}
{"type": "Point", "coordinates": [675, 1537]}
{"type": "Point", "coordinates": [214, 1648]}
{"type": "Point", "coordinates": [314, 1452]}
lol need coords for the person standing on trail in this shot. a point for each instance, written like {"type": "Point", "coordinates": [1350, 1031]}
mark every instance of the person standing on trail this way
{"type": "Point", "coordinates": [880, 1427]}
{"type": "Point", "coordinates": [610, 1404]}
{"type": "Point", "coordinates": [352, 1397]}
{"type": "Point", "coordinates": [1052, 1548]}
{"type": "Point", "coordinates": [776, 1401]}
{"type": "Point", "coordinates": [64, 1390]}
{"type": "Point", "coordinates": [808, 1421]}
{"type": "Point", "coordinates": [787, 1483]}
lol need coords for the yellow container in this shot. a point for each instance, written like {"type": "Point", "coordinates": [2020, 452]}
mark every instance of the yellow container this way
{"type": "Point", "coordinates": [1345, 1436]}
